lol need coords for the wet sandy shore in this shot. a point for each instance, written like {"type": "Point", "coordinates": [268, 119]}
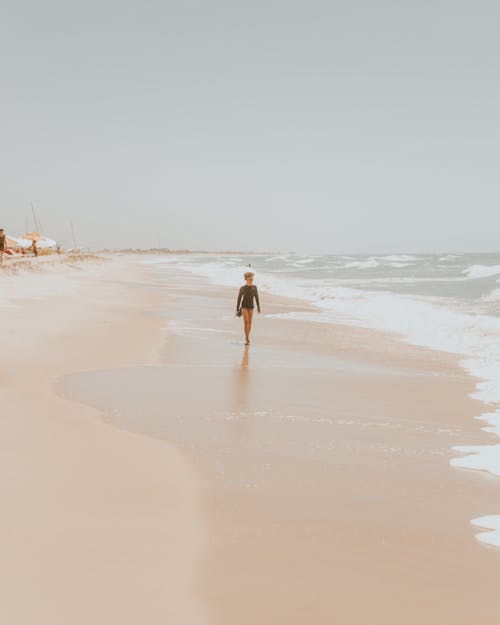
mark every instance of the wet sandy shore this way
{"type": "Point", "coordinates": [323, 454]}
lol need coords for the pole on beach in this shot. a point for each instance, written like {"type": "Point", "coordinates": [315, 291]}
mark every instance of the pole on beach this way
{"type": "Point", "coordinates": [35, 222]}
{"type": "Point", "coordinates": [73, 232]}
{"type": "Point", "coordinates": [74, 237]}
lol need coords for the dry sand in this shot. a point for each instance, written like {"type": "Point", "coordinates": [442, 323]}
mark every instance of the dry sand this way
{"type": "Point", "coordinates": [98, 526]}
{"type": "Point", "coordinates": [303, 480]}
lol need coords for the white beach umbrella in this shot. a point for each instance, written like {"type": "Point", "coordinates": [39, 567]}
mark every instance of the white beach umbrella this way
{"type": "Point", "coordinates": [17, 242]}
{"type": "Point", "coordinates": [46, 243]}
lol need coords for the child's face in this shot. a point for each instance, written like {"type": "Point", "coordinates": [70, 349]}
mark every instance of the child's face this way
{"type": "Point", "coordinates": [249, 279]}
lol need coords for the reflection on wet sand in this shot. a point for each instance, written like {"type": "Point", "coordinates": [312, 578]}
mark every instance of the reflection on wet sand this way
{"type": "Point", "coordinates": [242, 378]}
{"type": "Point", "coordinates": [242, 395]}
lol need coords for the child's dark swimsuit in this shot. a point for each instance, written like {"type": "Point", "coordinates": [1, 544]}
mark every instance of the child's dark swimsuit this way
{"type": "Point", "coordinates": [246, 295]}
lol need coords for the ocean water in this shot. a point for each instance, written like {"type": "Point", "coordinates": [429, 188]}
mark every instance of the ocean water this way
{"type": "Point", "coordinates": [449, 302]}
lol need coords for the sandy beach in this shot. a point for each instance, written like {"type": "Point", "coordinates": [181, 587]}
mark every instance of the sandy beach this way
{"type": "Point", "coordinates": [156, 470]}
{"type": "Point", "coordinates": [98, 525]}
{"type": "Point", "coordinates": [164, 165]}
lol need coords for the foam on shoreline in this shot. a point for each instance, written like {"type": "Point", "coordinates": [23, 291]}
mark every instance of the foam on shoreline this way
{"type": "Point", "coordinates": [492, 524]}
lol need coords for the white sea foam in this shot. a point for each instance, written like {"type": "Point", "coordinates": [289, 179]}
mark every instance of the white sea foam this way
{"type": "Point", "coordinates": [362, 264]}
{"type": "Point", "coordinates": [480, 458]}
{"type": "Point", "coordinates": [491, 523]}
{"type": "Point", "coordinates": [399, 257]}
{"type": "Point", "coordinates": [493, 421]}
{"type": "Point", "coordinates": [270, 259]}
{"type": "Point", "coordinates": [482, 271]}
{"type": "Point", "coordinates": [493, 296]}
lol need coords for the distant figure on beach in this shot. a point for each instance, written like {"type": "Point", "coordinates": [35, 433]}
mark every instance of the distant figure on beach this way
{"type": "Point", "coordinates": [244, 305]}
{"type": "Point", "coordinates": [34, 248]}
{"type": "Point", "coordinates": [2, 241]}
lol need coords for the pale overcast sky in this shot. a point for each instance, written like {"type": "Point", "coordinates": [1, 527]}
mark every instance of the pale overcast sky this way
{"type": "Point", "coordinates": [353, 126]}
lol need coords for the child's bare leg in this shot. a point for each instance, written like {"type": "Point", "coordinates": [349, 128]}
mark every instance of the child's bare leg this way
{"type": "Point", "coordinates": [247, 315]}
{"type": "Point", "coordinates": [247, 325]}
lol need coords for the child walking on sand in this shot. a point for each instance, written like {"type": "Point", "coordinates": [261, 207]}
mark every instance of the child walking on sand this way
{"type": "Point", "coordinates": [244, 306]}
